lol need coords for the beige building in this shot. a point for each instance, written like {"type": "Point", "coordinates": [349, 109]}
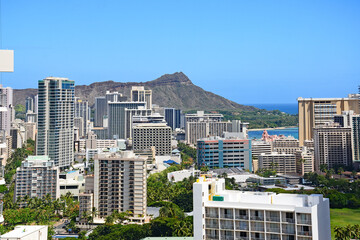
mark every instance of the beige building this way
{"type": "Point", "coordinates": [314, 112]}
{"type": "Point", "coordinates": [281, 162]}
{"type": "Point", "coordinates": [332, 146]}
{"type": "Point", "coordinates": [259, 147]}
{"type": "Point", "coordinates": [120, 184]}
{"type": "Point", "coordinates": [304, 161]}
{"type": "Point", "coordinates": [147, 135]}
{"type": "Point", "coordinates": [287, 145]}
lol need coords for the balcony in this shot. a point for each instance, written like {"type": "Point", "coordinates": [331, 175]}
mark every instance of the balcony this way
{"type": "Point", "coordinates": [304, 233]}
{"type": "Point", "coordinates": [245, 217]}
{"type": "Point", "coordinates": [288, 220]}
{"type": "Point", "coordinates": [257, 218]}
{"type": "Point", "coordinates": [272, 219]}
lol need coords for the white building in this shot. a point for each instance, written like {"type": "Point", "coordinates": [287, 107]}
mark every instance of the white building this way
{"type": "Point", "coordinates": [37, 177]}
{"type": "Point", "coordinates": [178, 176]}
{"type": "Point", "coordinates": [72, 182]}
{"type": "Point", "coordinates": [27, 232]}
{"type": "Point", "coordinates": [223, 214]}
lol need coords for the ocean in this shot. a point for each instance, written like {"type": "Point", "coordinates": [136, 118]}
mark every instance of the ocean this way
{"type": "Point", "coordinates": [290, 108]}
{"type": "Point", "coordinates": [287, 132]}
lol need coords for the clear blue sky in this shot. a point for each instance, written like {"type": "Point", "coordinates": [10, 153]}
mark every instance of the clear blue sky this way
{"type": "Point", "coordinates": [267, 51]}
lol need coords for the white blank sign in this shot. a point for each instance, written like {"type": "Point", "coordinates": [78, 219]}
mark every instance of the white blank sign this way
{"type": "Point", "coordinates": [6, 60]}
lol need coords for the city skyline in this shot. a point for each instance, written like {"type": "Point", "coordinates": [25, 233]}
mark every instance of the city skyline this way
{"type": "Point", "coordinates": [268, 49]}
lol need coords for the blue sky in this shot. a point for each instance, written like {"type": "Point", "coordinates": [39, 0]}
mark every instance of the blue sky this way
{"type": "Point", "coordinates": [248, 51]}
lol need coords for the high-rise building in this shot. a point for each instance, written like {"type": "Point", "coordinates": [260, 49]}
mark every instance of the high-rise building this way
{"type": "Point", "coordinates": [304, 161]}
{"type": "Point", "coordinates": [281, 162]}
{"type": "Point", "coordinates": [314, 112]}
{"type": "Point", "coordinates": [147, 135]}
{"type": "Point", "coordinates": [223, 152]}
{"type": "Point", "coordinates": [36, 103]}
{"type": "Point", "coordinates": [120, 184]}
{"type": "Point", "coordinates": [37, 177]}
{"type": "Point", "coordinates": [140, 94]}
{"type": "Point", "coordinates": [120, 117]}
{"type": "Point", "coordinates": [201, 125]}
{"type": "Point", "coordinates": [6, 108]}
{"type": "Point", "coordinates": [56, 120]}
{"type": "Point", "coordinates": [82, 110]}
{"type": "Point", "coordinates": [101, 108]}
{"type": "Point", "coordinates": [29, 104]}
{"type": "Point", "coordinates": [228, 214]}
{"type": "Point", "coordinates": [100, 111]}
{"type": "Point", "coordinates": [332, 146]}
{"type": "Point", "coordinates": [350, 120]}
{"type": "Point", "coordinates": [289, 145]}
{"type": "Point", "coordinates": [173, 117]}
{"type": "Point", "coordinates": [258, 147]}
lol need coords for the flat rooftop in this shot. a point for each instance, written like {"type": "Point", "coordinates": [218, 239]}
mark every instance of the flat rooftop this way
{"type": "Point", "coordinates": [22, 231]}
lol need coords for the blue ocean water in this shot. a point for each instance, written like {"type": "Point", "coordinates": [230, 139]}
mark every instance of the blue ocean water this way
{"type": "Point", "coordinates": [290, 108]}
{"type": "Point", "coordinates": [287, 132]}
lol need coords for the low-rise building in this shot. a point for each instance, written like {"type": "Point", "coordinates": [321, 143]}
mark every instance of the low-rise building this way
{"type": "Point", "coordinates": [26, 232]}
{"type": "Point", "coordinates": [178, 176]}
{"type": "Point", "coordinates": [281, 162]}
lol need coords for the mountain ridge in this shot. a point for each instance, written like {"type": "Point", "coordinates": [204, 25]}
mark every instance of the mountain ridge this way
{"type": "Point", "coordinates": [169, 90]}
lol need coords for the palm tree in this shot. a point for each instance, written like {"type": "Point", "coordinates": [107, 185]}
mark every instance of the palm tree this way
{"type": "Point", "coordinates": [323, 168]}
{"type": "Point", "coordinates": [302, 161]}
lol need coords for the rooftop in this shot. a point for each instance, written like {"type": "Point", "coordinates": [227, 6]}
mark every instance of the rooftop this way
{"type": "Point", "coordinates": [22, 231]}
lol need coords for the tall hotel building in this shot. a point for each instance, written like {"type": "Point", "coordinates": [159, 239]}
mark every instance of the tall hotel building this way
{"type": "Point", "coordinates": [222, 214]}
{"type": "Point", "coordinates": [140, 94]}
{"type": "Point", "coordinates": [223, 152]}
{"type": "Point", "coordinates": [201, 125]}
{"type": "Point", "coordinates": [120, 184]}
{"type": "Point", "coordinates": [56, 120]}
{"type": "Point", "coordinates": [314, 112]}
{"type": "Point", "coordinates": [173, 117]}
{"type": "Point", "coordinates": [332, 146]}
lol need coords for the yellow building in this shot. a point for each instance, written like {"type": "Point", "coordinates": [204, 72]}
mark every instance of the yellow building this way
{"type": "Point", "coordinates": [314, 112]}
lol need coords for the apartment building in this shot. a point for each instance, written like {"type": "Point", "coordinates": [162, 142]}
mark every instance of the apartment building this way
{"type": "Point", "coordinates": [56, 120]}
{"type": "Point", "coordinates": [288, 145]}
{"type": "Point", "coordinates": [222, 214]}
{"type": "Point", "coordinates": [259, 147]}
{"type": "Point", "coordinates": [349, 119]}
{"type": "Point", "coordinates": [147, 135]}
{"type": "Point", "coordinates": [304, 161]}
{"type": "Point", "coordinates": [82, 110]}
{"type": "Point", "coordinates": [221, 152]}
{"type": "Point", "coordinates": [120, 184]}
{"type": "Point", "coordinates": [281, 162]}
{"type": "Point", "coordinates": [332, 146]}
{"type": "Point", "coordinates": [7, 113]}
{"type": "Point", "coordinates": [201, 125]}
{"type": "Point", "coordinates": [314, 112]}
{"type": "Point", "coordinates": [36, 177]}
{"type": "Point", "coordinates": [173, 117]}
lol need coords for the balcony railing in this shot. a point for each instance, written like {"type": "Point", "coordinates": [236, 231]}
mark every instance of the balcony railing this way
{"type": "Point", "coordinates": [257, 218]}
{"type": "Point", "coordinates": [304, 233]}
{"type": "Point", "coordinates": [289, 220]}
{"type": "Point", "coordinates": [228, 216]}
{"type": "Point", "coordinates": [273, 219]}
{"type": "Point", "coordinates": [245, 217]}
{"type": "Point", "coordinates": [272, 229]}
{"type": "Point", "coordinates": [227, 226]}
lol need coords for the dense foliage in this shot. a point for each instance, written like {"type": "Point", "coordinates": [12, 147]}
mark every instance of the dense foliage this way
{"type": "Point", "coordinates": [262, 118]}
{"type": "Point", "coordinates": [28, 210]}
{"type": "Point", "coordinates": [188, 154]}
{"type": "Point", "coordinates": [159, 227]}
{"type": "Point", "coordinates": [348, 232]}
{"type": "Point", "coordinates": [341, 192]}
{"type": "Point", "coordinates": [159, 188]}
{"type": "Point", "coordinates": [20, 111]}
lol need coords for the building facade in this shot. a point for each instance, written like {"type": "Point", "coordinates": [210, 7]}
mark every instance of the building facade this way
{"type": "Point", "coordinates": [223, 214]}
{"type": "Point", "coordinates": [314, 112]}
{"type": "Point", "coordinates": [332, 146]}
{"type": "Point", "coordinates": [281, 162]}
{"type": "Point", "coordinates": [6, 108]}
{"type": "Point", "coordinates": [147, 135]}
{"type": "Point", "coordinates": [56, 120]}
{"type": "Point", "coordinates": [140, 94]}
{"type": "Point", "coordinates": [222, 152]}
{"type": "Point", "coordinates": [173, 117]}
{"type": "Point", "coordinates": [36, 177]}
{"type": "Point", "coordinates": [120, 184]}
